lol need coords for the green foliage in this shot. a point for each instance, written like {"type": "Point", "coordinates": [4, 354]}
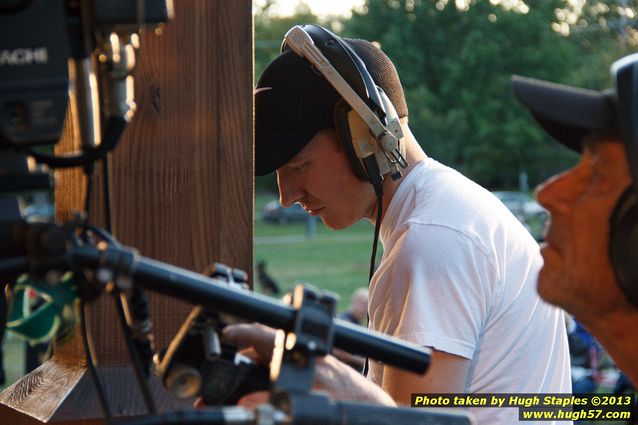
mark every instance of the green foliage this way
{"type": "Point", "coordinates": [456, 66]}
{"type": "Point", "coordinates": [270, 30]}
{"type": "Point", "coordinates": [334, 261]}
{"type": "Point", "coordinates": [456, 58]}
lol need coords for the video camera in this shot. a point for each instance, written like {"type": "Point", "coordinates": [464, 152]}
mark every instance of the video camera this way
{"type": "Point", "coordinates": [57, 55]}
{"type": "Point", "coordinates": [52, 51]}
{"type": "Point", "coordinates": [43, 40]}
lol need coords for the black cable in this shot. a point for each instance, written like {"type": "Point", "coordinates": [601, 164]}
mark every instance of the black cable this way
{"type": "Point", "coordinates": [101, 392]}
{"type": "Point", "coordinates": [141, 327]}
{"type": "Point", "coordinates": [372, 168]}
{"type": "Point", "coordinates": [135, 358]}
{"type": "Point", "coordinates": [106, 193]}
{"type": "Point", "coordinates": [135, 346]}
{"type": "Point", "coordinates": [88, 172]}
{"type": "Point", "coordinates": [376, 179]}
{"type": "Point", "coordinates": [377, 229]}
{"type": "Point", "coordinates": [114, 129]}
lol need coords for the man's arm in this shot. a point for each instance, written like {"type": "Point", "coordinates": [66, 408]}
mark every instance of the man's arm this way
{"type": "Point", "coordinates": [352, 360]}
{"type": "Point", "coordinates": [344, 383]}
{"type": "Point", "coordinates": [447, 374]}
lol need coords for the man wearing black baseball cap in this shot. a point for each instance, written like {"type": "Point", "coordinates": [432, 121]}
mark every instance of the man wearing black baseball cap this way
{"type": "Point", "coordinates": [458, 269]}
{"type": "Point", "coordinates": [589, 254]}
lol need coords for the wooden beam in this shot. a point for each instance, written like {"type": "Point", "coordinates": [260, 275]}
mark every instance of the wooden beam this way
{"type": "Point", "coordinates": [181, 192]}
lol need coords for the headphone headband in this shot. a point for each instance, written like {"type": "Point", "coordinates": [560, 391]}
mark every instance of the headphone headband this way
{"type": "Point", "coordinates": [623, 243]}
{"type": "Point", "coordinates": [326, 51]}
{"type": "Point", "coordinates": [340, 56]}
{"type": "Point", "coordinates": [625, 73]}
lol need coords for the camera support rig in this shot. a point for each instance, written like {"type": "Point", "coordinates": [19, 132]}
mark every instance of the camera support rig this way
{"type": "Point", "coordinates": [306, 329]}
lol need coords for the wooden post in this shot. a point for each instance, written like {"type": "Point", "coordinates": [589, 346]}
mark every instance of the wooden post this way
{"type": "Point", "coordinates": [181, 192]}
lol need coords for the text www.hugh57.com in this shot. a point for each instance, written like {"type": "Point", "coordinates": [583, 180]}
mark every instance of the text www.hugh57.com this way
{"type": "Point", "coordinates": [562, 414]}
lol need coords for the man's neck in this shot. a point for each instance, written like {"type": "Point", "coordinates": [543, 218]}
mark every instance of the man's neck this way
{"type": "Point", "coordinates": [413, 155]}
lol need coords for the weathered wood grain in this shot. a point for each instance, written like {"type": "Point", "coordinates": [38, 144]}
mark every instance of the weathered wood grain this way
{"type": "Point", "coordinates": [181, 192]}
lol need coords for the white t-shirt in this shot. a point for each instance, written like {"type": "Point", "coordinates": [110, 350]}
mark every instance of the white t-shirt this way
{"type": "Point", "coordinates": [458, 274]}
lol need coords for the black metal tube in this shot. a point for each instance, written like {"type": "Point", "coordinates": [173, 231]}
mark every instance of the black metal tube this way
{"type": "Point", "coordinates": [197, 417]}
{"type": "Point", "coordinates": [378, 346]}
{"type": "Point", "coordinates": [14, 265]}
{"type": "Point", "coordinates": [201, 290]}
{"type": "Point", "coordinates": [212, 293]}
{"type": "Point", "coordinates": [313, 409]}
{"type": "Point", "coordinates": [364, 414]}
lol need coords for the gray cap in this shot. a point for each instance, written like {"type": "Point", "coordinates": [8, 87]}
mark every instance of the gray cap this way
{"type": "Point", "coordinates": [568, 114]}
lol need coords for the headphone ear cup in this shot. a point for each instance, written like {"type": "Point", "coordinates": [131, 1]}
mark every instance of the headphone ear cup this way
{"type": "Point", "coordinates": [623, 244]}
{"type": "Point", "coordinates": [342, 125]}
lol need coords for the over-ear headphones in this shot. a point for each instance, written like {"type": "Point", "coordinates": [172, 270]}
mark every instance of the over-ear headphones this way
{"type": "Point", "coordinates": [623, 246]}
{"type": "Point", "coordinates": [365, 119]}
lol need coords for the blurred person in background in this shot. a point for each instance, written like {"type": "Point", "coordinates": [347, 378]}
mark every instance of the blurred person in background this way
{"type": "Point", "coordinates": [584, 352]}
{"type": "Point", "coordinates": [357, 315]}
{"type": "Point", "coordinates": [358, 309]}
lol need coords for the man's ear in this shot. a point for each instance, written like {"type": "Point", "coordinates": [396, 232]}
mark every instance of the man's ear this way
{"type": "Point", "coordinates": [334, 137]}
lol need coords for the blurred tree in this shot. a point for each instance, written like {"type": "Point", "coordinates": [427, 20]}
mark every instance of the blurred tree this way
{"type": "Point", "coordinates": [271, 28]}
{"type": "Point", "coordinates": [603, 31]}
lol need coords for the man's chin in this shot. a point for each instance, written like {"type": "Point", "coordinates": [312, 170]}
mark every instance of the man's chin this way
{"type": "Point", "coordinates": [334, 224]}
{"type": "Point", "coordinates": [549, 285]}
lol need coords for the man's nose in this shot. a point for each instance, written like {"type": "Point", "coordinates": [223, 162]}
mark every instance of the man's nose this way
{"type": "Point", "coordinates": [289, 189]}
{"type": "Point", "coordinates": [559, 193]}
{"type": "Point", "coordinates": [549, 193]}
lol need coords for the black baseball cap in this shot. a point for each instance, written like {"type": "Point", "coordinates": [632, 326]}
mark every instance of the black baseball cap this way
{"type": "Point", "coordinates": [568, 114]}
{"type": "Point", "coordinates": [293, 101]}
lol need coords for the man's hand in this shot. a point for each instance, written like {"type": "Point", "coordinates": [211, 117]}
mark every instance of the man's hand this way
{"type": "Point", "coordinates": [256, 341]}
{"type": "Point", "coordinates": [339, 380]}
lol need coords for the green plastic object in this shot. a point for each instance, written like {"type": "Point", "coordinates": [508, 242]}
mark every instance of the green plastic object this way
{"type": "Point", "coordinates": [54, 318]}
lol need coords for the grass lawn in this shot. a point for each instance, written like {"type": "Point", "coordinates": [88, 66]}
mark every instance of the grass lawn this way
{"type": "Point", "coordinates": [337, 261]}
{"type": "Point", "coordinates": [13, 352]}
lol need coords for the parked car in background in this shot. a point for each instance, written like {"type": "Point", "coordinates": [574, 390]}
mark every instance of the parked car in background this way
{"type": "Point", "coordinates": [526, 210]}
{"type": "Point", "coordinates": [520, 203]}
{"type": "Point", "coordinates": [275, 213]}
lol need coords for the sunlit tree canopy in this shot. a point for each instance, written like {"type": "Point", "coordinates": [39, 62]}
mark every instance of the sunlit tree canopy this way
{"type": "Point", "coordinates": [456, 57]}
